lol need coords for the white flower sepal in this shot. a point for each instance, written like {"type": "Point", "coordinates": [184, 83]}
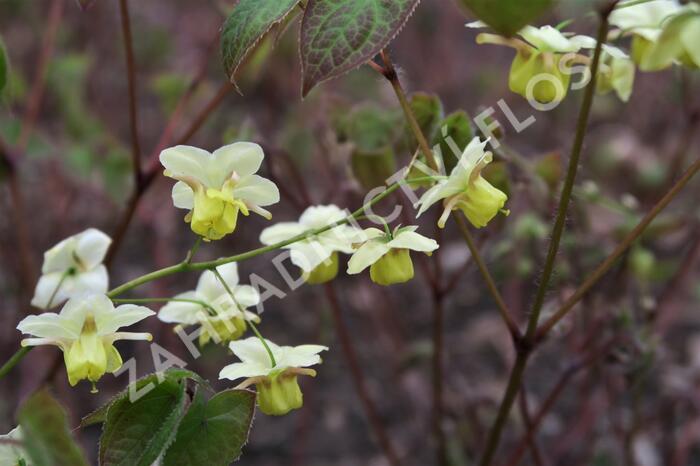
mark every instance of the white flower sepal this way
{"type": "Point", "coordinates": [85, 330]}
{"type": "Point", "coordinates": [277, 386]}
{"type": "Point", "coordinates": [465, 189]}
{"type": "Point", "coordinates": [11, 454]}
{"type": "Point", "coordinates": [316, 255]}
{"type": "Point", "coordinates": [215, 187]}
{"type": "Point", "coordinates": [388, 255]}
{"type": "Point", "coordinates": [221, 319]}
{"type": "Point", "coordinates": [73, 267]}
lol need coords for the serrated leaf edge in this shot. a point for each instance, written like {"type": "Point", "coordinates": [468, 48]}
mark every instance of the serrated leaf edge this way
{"type": "Point", "coordinates": [232, 74]}
{"type": "Point", "coordinates": [305, 88]}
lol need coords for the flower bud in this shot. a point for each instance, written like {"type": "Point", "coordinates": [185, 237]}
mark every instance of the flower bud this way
{"type": "Point", "coordinates": [279, 394]}
{"type": "Point", "coordinates": [642, 263]}
{"type": "Point", "coordinates": [324, 272]}
{"type": "Point", "coordinates": [393, 267]}
{"type": "Point", "coordinates": [536, 75]}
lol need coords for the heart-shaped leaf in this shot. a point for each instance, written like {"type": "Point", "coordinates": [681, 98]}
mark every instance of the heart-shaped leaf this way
{"type": "Point", "coordinates": [249, 21]}
{"type": "Point", "coordinates": [340, 35]}
{"type": "Point", "coordinates": [214, 431]}
{"type": "Point", "coordinates": [136, 433]}
{"type": "Point", "coordinates": [45, 433]}
{"type": "Point", "coordinates": [508, 16]}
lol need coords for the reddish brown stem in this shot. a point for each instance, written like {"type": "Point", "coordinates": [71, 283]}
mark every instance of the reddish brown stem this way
{"type": "Point", "coordinates": [131, 82]}
{"type": "Point", "coordinates": [39, 85]}
{"type": "Point", "coordinates": [358, 378]}
{"type": "Point", "coordinates": [8, 160]}
{"type": "Point", "coordinates": [149, 176]}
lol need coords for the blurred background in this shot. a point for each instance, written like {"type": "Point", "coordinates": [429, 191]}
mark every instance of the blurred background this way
{"type": "Point", "coordinates": [623, 370]}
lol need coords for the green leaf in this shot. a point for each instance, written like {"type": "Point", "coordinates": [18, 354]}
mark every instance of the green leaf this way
{"type": "Point", "coordinates": [338, 36]}
{"type": "Point", "coordinates": [453, 135]}
{"type": "Point", "coordinates": [47, 439]}
{"type": "Point", "coordinates": [135, 434]}
{"type": "Point", "coordinates": [213, 432]}
{"type": "Point", "coordinates": [172, 374]}
{"type": "Point", "coordinates": [508, 16]}
{"type": "Point", "coordinates": [247, 24]}
{"type": "Point", "coordinates": [4, 67]}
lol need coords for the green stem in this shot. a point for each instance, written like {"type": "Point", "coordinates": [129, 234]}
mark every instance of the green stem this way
{"type": "Point", "coordinates": [390, 74]}
{"type": "Point", "coordinates": [12, 362]}
{"type": "Point", "coordinates": [526, 345]}
{"type": "Point", "coordinates": [500, 303]}
{"type": "Point", "coordinates": [58, 287]}
{"type": "Point", "coordinates": [189, 266]}
{"type": "Point", "coordinates": [193, 250]}
{"type": "Point", "coordinates": [183, 267]}
{"type": "Point", "coordinates": [206, 306]}
{"type": "Point", "coordinates": [576, 150]}
{"type": "Point", "coordinates": [250, 322]}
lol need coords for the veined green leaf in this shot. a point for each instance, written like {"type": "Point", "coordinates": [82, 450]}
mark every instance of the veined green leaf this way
{"type": "Point", "coordinates": [340, 35]}
{"type": "Point", "coordinates": [249, 21]}
{"type": "Point", "coordinates": [135, 434]}
{"type": "Point", "coordinates": [214, 431]}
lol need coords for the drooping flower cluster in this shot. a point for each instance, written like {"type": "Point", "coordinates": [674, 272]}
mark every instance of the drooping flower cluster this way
{"type": "Point", "coordinates": [221, 317]}
{"type": "Point", "coordinates": [215, 187]}
{"type": "Point", "coordinates": [541, 67]}
{"type": "Point", "coordinates": [85, 330]}
{"type": "Point", "coordinates": [663, 32]}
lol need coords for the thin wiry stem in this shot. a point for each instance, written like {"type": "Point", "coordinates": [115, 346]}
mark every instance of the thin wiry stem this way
{"type": "Point", "coordinates": [567, 189]}
{"type": "Point", "coordinates": [493, 289]}
{"type": "Point", "coordinates": [131, 83]}
{"type": "Point", "coordinates": [150, 175]}
{"type": "Point", "coordinates": [36, 94]}
{"type": "Point", "coordinates": [621, 248]}
{"type": "Point", "coordinates": [525, 347]}
{"type": "Point", "coordinates": [253, 327]}
{"type": "Point", "coordinates": [359, 379]}
{"type": "Point", "coordinates": [183, 267]}
{"type": "Point", "coordinates": [392, 76]}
